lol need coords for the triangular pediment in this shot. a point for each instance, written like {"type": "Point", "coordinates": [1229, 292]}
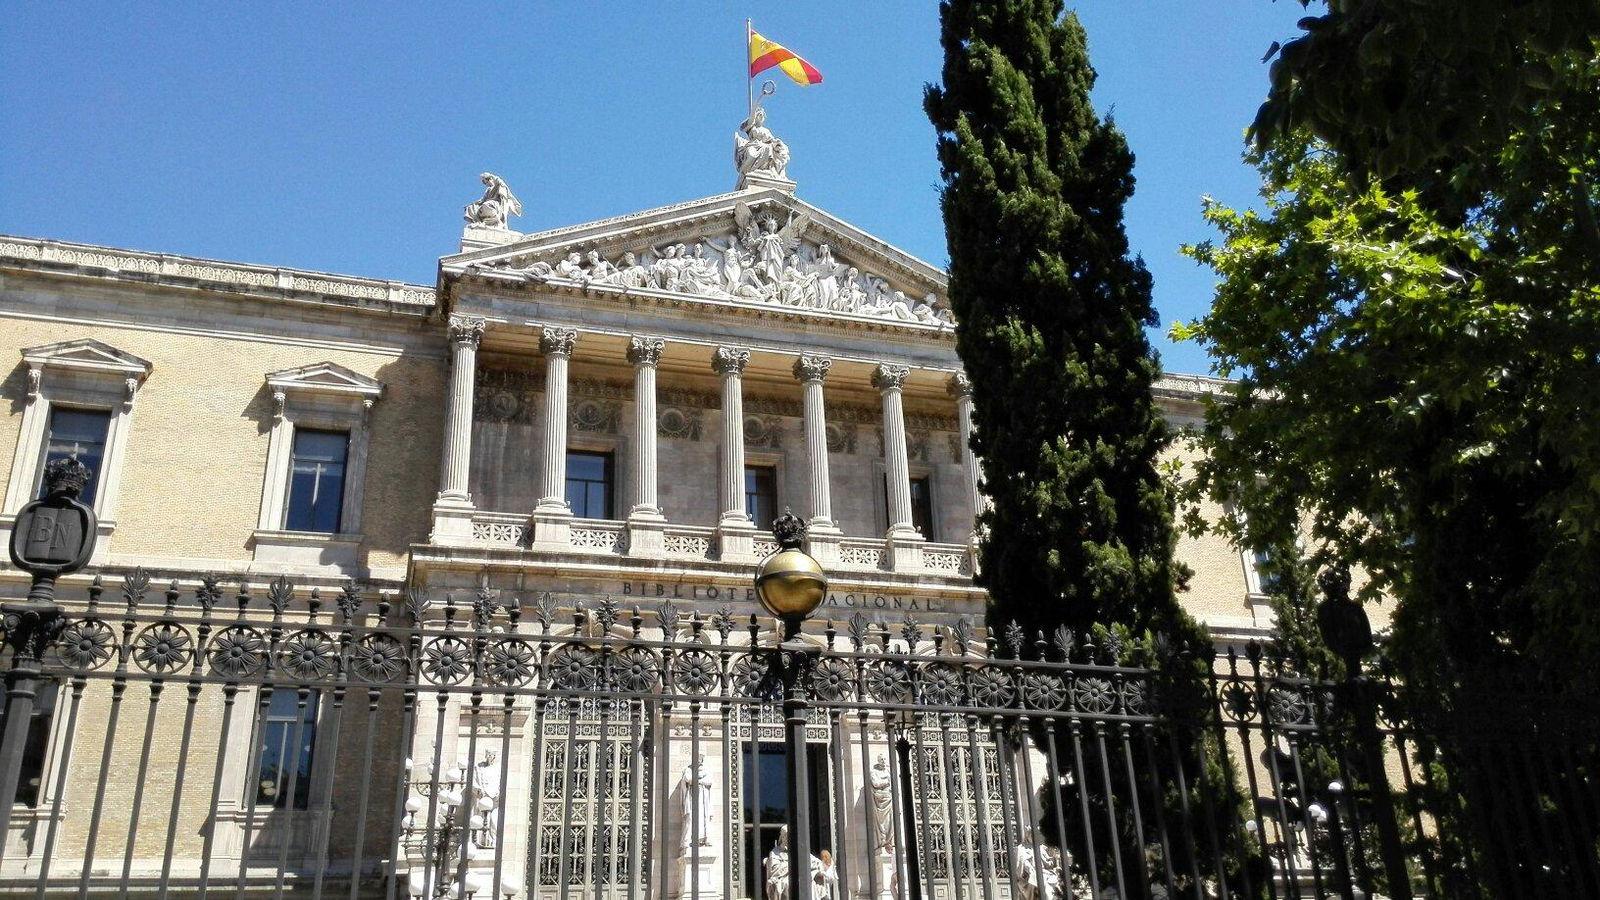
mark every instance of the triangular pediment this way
{"type": "Point", "coordinates": [324, 377]}
{"type": "Point", "coordinates": [760, 247]}
{"type": "Point", "coordinates": [86, 354]}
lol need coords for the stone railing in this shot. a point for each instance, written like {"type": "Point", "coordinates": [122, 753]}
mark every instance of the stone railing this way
{"type": "Point", "coordinates": [599, 536]}
{"type": "Point", "coordinates": [498, 529]}
{"type": "Point", "coordinates": [690, 541]}
{"type": "Point", "coordinates": [946, 559]}
{"type": "Point", "coordinates": [863, 553]}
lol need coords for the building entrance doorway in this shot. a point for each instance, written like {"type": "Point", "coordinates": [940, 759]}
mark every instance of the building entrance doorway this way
{"type": "Point", "coordinates": [765, 797]}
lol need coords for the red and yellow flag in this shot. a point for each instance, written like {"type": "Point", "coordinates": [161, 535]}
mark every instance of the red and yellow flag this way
{"type": "Point", "coordinates": [765, 54]}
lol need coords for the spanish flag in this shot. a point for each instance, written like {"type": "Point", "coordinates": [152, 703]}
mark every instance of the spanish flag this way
{"type": "Point", "coordinates": [765, 54]}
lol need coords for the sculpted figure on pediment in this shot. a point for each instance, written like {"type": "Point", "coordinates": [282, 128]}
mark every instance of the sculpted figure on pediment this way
{"type": "Point", "coordinates": [496, 206]}
{"type": "Point", "coordinates": [757, 149]}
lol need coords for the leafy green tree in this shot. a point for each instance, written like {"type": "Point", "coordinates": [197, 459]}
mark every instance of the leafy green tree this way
{"type": "Point", "coordinates": [1416, 343]}
{"type": "Point", "coordinates": [1053, 308]}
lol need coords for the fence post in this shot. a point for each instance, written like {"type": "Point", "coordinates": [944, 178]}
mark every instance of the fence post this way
{"type": "Point", "coordinates": [30, 628]}
{"type": "Point", "coordinates": [1348, 633]}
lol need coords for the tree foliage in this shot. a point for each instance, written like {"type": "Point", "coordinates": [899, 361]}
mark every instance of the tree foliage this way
{"type": "Point", "coordinates": [1053, 308]}
{"type": "Point", "coordinates": [1417, 365]}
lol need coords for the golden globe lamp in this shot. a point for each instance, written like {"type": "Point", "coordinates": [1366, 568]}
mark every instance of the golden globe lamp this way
{"type": "Point", "coordinates": [790, 583]}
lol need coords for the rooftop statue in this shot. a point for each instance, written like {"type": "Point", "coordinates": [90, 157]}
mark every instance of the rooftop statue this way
{"type": "Point", "coordinates": [757, 150]}
{"type": "Point", "coordinates": [496, 206]}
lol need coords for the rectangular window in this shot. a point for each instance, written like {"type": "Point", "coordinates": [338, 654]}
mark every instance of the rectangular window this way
{"type": "Point", "coordinates": [921, 505]}
{"type": "Point", "coordinates": [33, 749]}
{"type": "Point", "coordinates": [1261, 562]}
{"type": "Point", "coordinates": [279, 761]}
{"type": "Point", "coordinates": [81, 435]}
{"type": "Point", "coordinates": [590, 480]}
{"type": "Point", "coordinates": [316, 481]}
{"type": "Point", "coordinates": [761, 495]}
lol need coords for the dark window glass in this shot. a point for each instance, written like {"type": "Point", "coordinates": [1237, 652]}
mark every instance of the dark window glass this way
{"type": "Point", "coordinates": [770, 764]}
{"type": "Point", "coordinates": [279, 761]}
{"type": "Point", "coordinates": [761, 495]}
{"type": "Point", "coordinates": [590, 477]}
{"type": "Point", "coordinates": [316, 481]}
{"type": "Point", "coordinates": [1262, 561]}
{"type": "Point", "coordinates": [80, 434]}
{"type": "Point", "coordinates": [44, 707]}
{"type": "Point", "coordinates": [921, 505]}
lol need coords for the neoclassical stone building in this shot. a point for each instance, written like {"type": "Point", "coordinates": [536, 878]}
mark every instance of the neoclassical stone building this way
{"type": "Point", "coordinates": [611, 409]}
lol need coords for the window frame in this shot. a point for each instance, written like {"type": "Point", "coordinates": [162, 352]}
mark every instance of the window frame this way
{"type": "Point", "coordinates": [83, 374]}
{"type": "Point", "coordinates": [772, 469]}
{"type": "Point", "coordinates": [97, 478]}
{"type": "Point", "coordinates": [309, 781]}
{"type": "Point", "coordinates": [288, 503]}
{"type": "Point", "coordinates": [609, 482]}
{"type": "Point", "coordinates": [319, 397]}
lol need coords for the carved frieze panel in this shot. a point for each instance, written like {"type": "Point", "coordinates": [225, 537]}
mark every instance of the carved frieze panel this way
{"type": "Point", "coordinates": [680, 423]}
{"type": "Point", "coordinates": [916, 444]}
{"type": "Point", "coordinates": [763, 431]}
{"type": "Point", "coordinates": [594, 416]}
{"type": "Point", "coordinates": [600, 389]}
{"type": "Point", "coordinates": [841, 438]}
{"type": "Point", "coordinates": [684, 398]}
{"type": "Point", "coordinates": [772, 406]}
{"type": "Point", "coordinates": [506, 395]}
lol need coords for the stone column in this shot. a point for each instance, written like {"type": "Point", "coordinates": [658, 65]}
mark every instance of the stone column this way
{"type": "Point", "coordinates": [736, 534]}
{"type": "Point", "coordinates": [646, 524]}
{"type": "Point", "coordinates": [452, 509]}
{"type": "Point", "coordinates": [905, 543]}
{"type": "Point", "coordinates": [822, 538]}
{"type": "Point", "coordinates": [552, 518]}
{"type": "Point", "coordinates": [960, 387]}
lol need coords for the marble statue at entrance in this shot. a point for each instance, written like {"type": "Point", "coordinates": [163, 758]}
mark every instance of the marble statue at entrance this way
{"type": "Point", "coordinates": [696, 782]}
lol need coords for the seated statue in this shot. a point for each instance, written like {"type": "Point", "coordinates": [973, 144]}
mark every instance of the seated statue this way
{"type": "Point", "coordinates": [496, 206]}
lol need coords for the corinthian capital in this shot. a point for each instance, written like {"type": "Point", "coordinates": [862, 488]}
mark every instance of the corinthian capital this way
{"type": "Point", "coordinates": [730, 360]}
{"type": "Point", "coordinates": [959, 385]}
{"type": "Point", "coordinates": [890, 377]}
{"type": "Point", "coordinates": [812, 368]}
{"type": "Point", "coordinates": [466, 329]}
{"type": "Point", "coordinates": [555, 341]}
{"type": "Point", "coordinates": [645, 351]}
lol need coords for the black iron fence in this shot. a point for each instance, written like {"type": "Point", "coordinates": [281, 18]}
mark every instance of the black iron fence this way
{"type": "Point", "coordinates": [183, 740]}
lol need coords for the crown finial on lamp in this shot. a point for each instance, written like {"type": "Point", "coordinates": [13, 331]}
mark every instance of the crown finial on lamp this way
{"type": "Point", "coordinates": [789, 529]}
{"type": "Point", "coordinates": [66, 477]}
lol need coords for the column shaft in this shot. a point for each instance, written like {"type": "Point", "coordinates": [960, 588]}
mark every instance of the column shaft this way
{"type": "Point", "coordinates": [729, 363]}
{"type": "Point", "coordinates": [889, 379]}
{"type": "Point", "coordinates": [557, 345]}
{"type": "Point", "coordinates": [456, 460]}
{"type": "Point", "coordinates": [645, 353]}
{"type": "Point", "coordinates": [812, 370]}
{"type": "Point", "coordinates": [961, 389]}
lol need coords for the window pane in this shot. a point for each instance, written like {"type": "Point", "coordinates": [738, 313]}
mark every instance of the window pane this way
{"type": "Point", "coordinates": [761, 494]}
{"type": "Point", "coordinates": [316, 481]}
{"type": "Point", "coordinates": [279, 763]}
{"type": "Point", "coordinates": [33, 749]}
{"type": "Point", "coordinates": [79, 434]}
{"type": "Point", "coordinates": [922, 507]}
{"type": "Point", "coordinates": [589, 484]}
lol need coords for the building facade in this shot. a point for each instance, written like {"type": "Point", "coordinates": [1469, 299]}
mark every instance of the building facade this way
{"type": "Point", "coordinates": [608, 413]}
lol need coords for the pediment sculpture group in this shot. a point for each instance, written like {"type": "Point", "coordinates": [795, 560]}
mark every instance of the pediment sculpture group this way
{"type": "Point", "coordinates": [761, 262]}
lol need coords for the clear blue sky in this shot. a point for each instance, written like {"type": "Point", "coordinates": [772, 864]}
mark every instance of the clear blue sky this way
{"type": "Point", "coordinates": [347, 136]}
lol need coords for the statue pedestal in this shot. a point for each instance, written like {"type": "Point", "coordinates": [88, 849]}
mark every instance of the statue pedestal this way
{"type": "Point", "coordinates": [755, 181]}
{"type": "Point", "coordinates": [702, 881]}
{"type": "Point", "coordinates": [888, 878]}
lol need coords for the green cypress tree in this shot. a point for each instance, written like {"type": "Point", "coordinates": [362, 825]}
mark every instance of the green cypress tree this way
{"type": "Point", "coordinates": [1052, 309]}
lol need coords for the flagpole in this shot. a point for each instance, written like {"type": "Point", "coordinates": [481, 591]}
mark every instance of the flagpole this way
{"type": "Point", "coordinates": [749, 93]}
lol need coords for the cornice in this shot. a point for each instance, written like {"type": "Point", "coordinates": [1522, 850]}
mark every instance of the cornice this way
{"type": "Point", "coordinates": [111, 264]}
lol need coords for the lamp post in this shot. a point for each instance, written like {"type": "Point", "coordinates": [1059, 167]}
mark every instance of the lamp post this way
{"type": "Point", "coordinates": [791, 585]}
{"type": "Point", "coordinates": [52, 536]}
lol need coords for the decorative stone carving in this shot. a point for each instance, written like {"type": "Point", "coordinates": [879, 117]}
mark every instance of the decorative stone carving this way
{"type": "Point", "coordinates": [882, 806]}
{"type": "Point", "coordinates": [679, 424]}
{"type": "Point", "coordinates": [841, 438]}
{"type": "Point", "coordinates": [596, 416]}
{"type": "Point", "coordinates": [496, 206]}
{"type": "Point", "coordinates": [760, 260]}
{"type": "Point", "coordinates": [812, 368]}
{"type": "Point", "coordinates": [696, 784]}
{"type": "Point", "coordinates": [466, 329]}
{"type": "Point", "coordinates": [773, 406]}
{"type": "Point", "coordinates": [756, 150]}
{"type": "Point", "coordinates": [645, 351]}
{"type": "Point", "coordinates": [506, 395]}
{"type": "Point", "coordinates": [916, 444]}
{"type": "Point", "coordinates": [730, 360]}
{"type": "Point", "coordinates": [889, 376]}
{"type": "Point", "coordinates": [763, 431]}
{"type": "Point", "coordinates": [554, 341]}
{"type": "Point", "coordinates": [959, 385]}
{"type": "Point", "coordinates": [688, 399]}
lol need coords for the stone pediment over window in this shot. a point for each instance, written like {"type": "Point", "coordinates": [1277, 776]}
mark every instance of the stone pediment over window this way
{"type": "Point", "coordinates": [759, 247]}
{"type": "Point", "coordinates": [324, 378]}
{"type": "Point", "coordinates": [86, 355]}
